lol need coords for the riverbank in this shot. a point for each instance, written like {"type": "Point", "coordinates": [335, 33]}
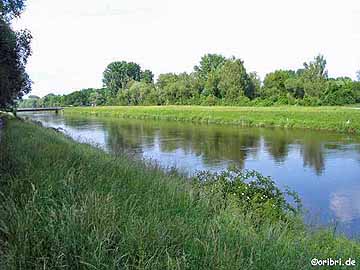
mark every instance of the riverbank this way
{"type": "Point", "coordinates": [69, 205]}
{"type": "Point", "coordinates": [340, 119]}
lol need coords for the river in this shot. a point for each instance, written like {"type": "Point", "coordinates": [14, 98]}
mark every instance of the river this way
{"type": "Point", "coordinates": [322, 167]}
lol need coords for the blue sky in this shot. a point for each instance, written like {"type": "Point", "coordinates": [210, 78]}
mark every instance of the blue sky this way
{"type": "Point", "coordinates": [74, 40]}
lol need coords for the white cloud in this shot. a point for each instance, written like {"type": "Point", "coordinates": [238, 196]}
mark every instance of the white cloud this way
{"type": "Point", "coordinates": [345, 206]}
{"type": "Point", "coordinates": [75, 40]}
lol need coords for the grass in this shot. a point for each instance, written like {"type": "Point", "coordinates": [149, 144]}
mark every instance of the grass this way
{"type": "Point", "coordinates": [65, 205]}
{"type": "Point", "coordinates": [340, 119]}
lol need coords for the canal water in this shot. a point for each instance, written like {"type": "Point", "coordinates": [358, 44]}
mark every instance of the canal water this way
{"type": "Point", "coordinates": [322, 167]}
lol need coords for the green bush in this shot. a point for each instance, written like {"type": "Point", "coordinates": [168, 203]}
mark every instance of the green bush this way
{"type": "Point", "coordinates": [249, 191]}
{"type": "Point", "coordinates": [339, 93]}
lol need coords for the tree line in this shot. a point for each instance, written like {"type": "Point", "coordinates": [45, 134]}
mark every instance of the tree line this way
{"type": "Point", "coordinates": [216, 80]}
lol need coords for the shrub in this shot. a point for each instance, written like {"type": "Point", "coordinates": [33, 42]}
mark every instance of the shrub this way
{"type": "Point", "coordinates": [339, 92]}
{"type": "Point", "coordinates": [249, 191]}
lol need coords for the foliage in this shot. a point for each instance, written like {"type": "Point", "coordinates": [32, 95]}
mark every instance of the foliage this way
{"type": "Point", "coordinates": [97, 97]}
{"type": "Point", "coordinates": [314, 77]}
{"type": "Point", "coordinates": [256, 82]}
{"type": "Point", "coordinates": [209, 63]}
{"type": "Point", "coordinates": [355, 87]}
{"type": "Point", "coordinates": [84, 97]}
{"type": "Point", "coordinates": [234, 81]}
{"type": "Point", "coordinates": [216, 80]}
{"type": "Point", "coordinates": [10, 9]}
{"type": "Point", "coordinates": [177, 89]}
{"type": "Point", "coordinates": [118, 74]}
{"type": "Point", "coordinates": [30, 103]}
{"type": "Point", "coordinates": [294, 86]}
{"type": "Point", "coordinates": [339, 92]}
{"type": "Point", "coordinates": [147, 76]}
{"type": "Point", "coordinates": [275, 83]}
{"type": "Point", "coordinates": [250, 191]}
{"type": "Point", "coordinates": [137, 94]}
{"type": "Point", "coordinates": [316, 68]}
{"type": "Point", "coordinates": [14, 52]}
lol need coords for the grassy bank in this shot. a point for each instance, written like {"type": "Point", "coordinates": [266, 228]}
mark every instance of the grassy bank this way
{"type": "Point", "coordinates": [66, 205]}
{"type": "Point", "coordinates": [326, 118]}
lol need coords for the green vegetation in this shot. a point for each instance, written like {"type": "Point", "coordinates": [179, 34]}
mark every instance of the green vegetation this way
{"type": "Point", "coordinates": [14, 52]}
{"type": "Point", "coordinates": [325, 118]}
{"type": "Point", "coordinates": [66, 205]}
{"type": "Point", "coordinates": [216, 80]}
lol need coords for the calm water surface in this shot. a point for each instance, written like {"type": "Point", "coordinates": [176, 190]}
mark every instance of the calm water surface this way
{"type": "Point", "coordinates": [323, 167]}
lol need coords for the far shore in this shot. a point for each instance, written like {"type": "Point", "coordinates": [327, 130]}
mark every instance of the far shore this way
{"type": "Point", "coordinates": [339, 119]}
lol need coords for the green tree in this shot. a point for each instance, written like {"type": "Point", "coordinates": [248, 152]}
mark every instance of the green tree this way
{"type": "Point", "coordinates": [97, 98]}
{"type": "Point", "coordinates": [178, 89]}
{"type": "Point", "coordinates": [14, 52]}
{"type": "Point", "coordinates": [295, 87]}
{"type": "Point", "coordinates": [256, 82]}
{"type": "Point", "coordinates": [316, 68]}
{"type": "Point", "coordinates": [275, 83]}
{"type": "Point", "coordinates": [29, 103]}
{"type": "Point", "coordinates": [50, 100]}
{"type": "Point", "coordinates": [164, 85]}
{"type": "Point", "coordinates": [139, 93]}
{"type": "Point", "coordinates": [358, 75]}
{"type": "Point", "coordinates": [339, 92]}
{"type": "Point", "coordinates": [234, 81]}
{"type": "Point", "coordinates": [208, 64]}
{"type": "Point", "coordinates": [79, 98]}
{"type": "Point", "coordinates": [207, 73]}
{"type": "Point", "coordinates": [314, 77]}
{"type": "Point", "coordinates": [147, 76]}
{"type": "Point", "coordinates": [210, 87]}
{"type": "Point", "coordinates": [118, 74]}
{"type": "Point", "coordinates": [355, 87]}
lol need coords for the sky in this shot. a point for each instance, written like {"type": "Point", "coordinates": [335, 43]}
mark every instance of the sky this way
{"type": "Point", "coordinates": [74, 40]}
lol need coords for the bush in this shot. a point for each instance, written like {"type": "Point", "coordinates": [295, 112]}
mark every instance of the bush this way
{"type": "Point", "coordinates": [239, 101]}
{"type": "Point", "coordinates": [339, 93]}
{"type": "Point", "coordinates": [209, 100]}
{"type": "Point", "coordinates": [310, 101]}
{"type": "Point", "coordinates": [249, 191]}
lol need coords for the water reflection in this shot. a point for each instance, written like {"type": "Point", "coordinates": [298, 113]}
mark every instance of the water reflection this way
{"type": "Point", "coordinates": [217, 143]}
{"type": "Point", "coordinates": [322, 167]}
{"type": "Point", "coordinates": [346, 205]}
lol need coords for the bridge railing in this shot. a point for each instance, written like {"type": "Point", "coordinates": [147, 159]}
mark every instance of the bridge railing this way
{"type": "Point", "coordinates": [56, 109]}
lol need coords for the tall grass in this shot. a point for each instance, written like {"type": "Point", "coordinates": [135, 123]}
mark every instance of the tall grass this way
{"type": "Point", "coordinates": [66, 205]}
{"type": "Point", "coordinates": [342, 119]}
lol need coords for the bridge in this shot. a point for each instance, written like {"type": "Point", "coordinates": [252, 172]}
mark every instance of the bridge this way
{"type": "Point", "coordinates": [52, 109]}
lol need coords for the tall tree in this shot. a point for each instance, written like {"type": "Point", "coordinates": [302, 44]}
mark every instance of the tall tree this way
{"type": "Point", "coordinates": [314, 76]}
{"type": "Point", "coordinates": [207, 73]}
{"type": "Point", "coordinates": [208, 64]}
{"type": "Point", "coordinates": [14, 52]}
{"type": "Point", "coordinates": [256, 82]}
{"type": "Point", "coordinates": [118, 74]}
{"type": "Point", "coordinates": [147, 76]}
{"type": "Point", "coordinates": [234, 81]}
{"type": "Point", "coordinates": [358, 75]}
{"type": "Point", "coordinates": [316, 69]}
